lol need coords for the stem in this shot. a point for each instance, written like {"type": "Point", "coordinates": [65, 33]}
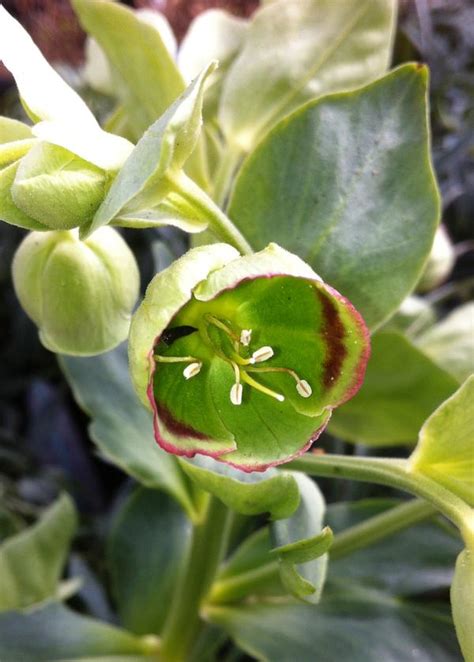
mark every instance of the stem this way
{"type": "Point", "coordinates": [208, 546]}
{"type": "Point", "coordinates": [392, 473]}
{"type": "Point", "coordinates": [224, 173]}
{"type": "Point", "coordinates": [236, 587]}
{"type": "Point", "coordinates": [208, 210]}
{"type": "Point", "coordinates": [378, 527]}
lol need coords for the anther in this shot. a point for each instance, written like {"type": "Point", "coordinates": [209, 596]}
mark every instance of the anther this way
{"type": "Point", "coordinates": [245, 337]}
{"type": "Point", "coordinates": [192, 369]}
{"type": "Point", "coordinates": [262, 354]}
{"type": "Point", "coordinates": [303, 388]}
{"type": "Point", "coordinates": [236, 394]}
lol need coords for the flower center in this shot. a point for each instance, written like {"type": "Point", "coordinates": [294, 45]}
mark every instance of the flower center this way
{"type": "Point", "coordinates": [234, 346]}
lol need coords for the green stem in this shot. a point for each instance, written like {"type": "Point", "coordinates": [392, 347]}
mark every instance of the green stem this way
{"type": "Point", "coordinates": [393, 473]}
{"type": "Point", "coordinates": [206, 209]}
{"type": "Point", "coordinates": [225, 171]}
{"type": "Point", "coordinates": [359, 536]}
{"type": "Point", "coordinates": [208, 546]}
{"type": "Point", "coordinates": [381, 526]}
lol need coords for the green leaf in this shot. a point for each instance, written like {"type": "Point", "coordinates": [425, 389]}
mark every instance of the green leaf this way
{"type": "Point", "coordinates": [401, 389]}
{"type": "Point", "coordinates": [57, 633]}
{"type": "Point", "coordinates": [462, 602]}
{"type": "Point", "coordinates": [276, 493]}
{"type": "Point", "coordinates": [31, 562]}
{"type": "Point", "coordinates": [299, 546]}
{"type": "Point", "coordinates": [445, 447]}
{"type": "Point", "coordinates": [362, 215]}
{"type": "Point", "coordinates": [352, 624]}
{"type": "Point", "coordinates": [121, 427]}
{"type": "Point", "coordinates": [145, 553]}
{"type": "Point", "coordinates": [340, 45]}
{"type": "Point", "coordinates": [450, 343]}
{"type": "Point", "coordinates": [148, 79]}
{"type": "Point", "coordinates": [146, 178]}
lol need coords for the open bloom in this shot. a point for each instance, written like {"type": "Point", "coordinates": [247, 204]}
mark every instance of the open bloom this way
{"type": "Point", "coordinates": [244, 358]}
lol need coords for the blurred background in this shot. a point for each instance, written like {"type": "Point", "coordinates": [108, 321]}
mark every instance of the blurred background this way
{"type": "Point", "coordinates": [44, 444]}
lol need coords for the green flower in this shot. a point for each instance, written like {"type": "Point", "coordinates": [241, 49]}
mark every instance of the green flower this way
{"type": "Point", "coordinates": [79, 293]}
{"type": "Point", "coordinates": [244, 358]}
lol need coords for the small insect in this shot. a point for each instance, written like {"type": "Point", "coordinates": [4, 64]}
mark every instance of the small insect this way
{"type": "Point", "coordinates": [169, 336]}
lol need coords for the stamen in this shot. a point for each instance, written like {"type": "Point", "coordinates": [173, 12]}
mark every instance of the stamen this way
{"type": "Point", "coordinates": [263, 389]}
{"type": "Point", "coordinates": [192, 369]}
{"type": "Point", "coordinates": [236, 394]}
{"type": "Point", "coordinates": [174, 359]}
{"type": "Point", "coordinates": [245, 337]}
{"type": "Point", "coordinates": [236, 390]}
{"type": "Point", "coordinates": [303, 388]}
{"type": "Point", "coordinates": [262, 354]}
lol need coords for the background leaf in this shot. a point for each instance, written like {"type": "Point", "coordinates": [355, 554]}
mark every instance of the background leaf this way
{"type": "Point", "coordinates": [145, 552]}
{"type": "Point", "coordinates": [346, 183]}
{"type": "Point", "coordinates": [31, 562]}
{"type": "Point", "coordinates": [402, 387]}
{"type": "Point", "coordinates": [57, 633]}
{"type": "Point", "coordinates": [361, 616]}
{"type": "Point", "coordinates": [296, 50]}
{"type": "Point", "coordinates": [445, 448]}
{"type": "Point", "coordinates": [122, 428]}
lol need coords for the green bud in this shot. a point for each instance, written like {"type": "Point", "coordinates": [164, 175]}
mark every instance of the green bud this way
{"type": "Point", "coordinates": [57, 188]}
{"type": "Point", "coordinates": [79, 293]}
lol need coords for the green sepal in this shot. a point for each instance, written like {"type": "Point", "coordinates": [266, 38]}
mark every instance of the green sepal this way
{"type": "Point", "coordinates": [462, 602]}
{"type": "Point", "coordinates": [147, 176]}
{"type": "Point", "coordinates": [9, 212]}
{"type": "Point", "coordinates": [15, 140]}
{"type": "Point", "coordinates": [272, 492]}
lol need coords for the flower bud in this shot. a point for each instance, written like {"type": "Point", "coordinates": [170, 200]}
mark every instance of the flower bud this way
{"type": "Point", "coordinates": [57, 188]}
{"type": "Point", "coordinates": [79, 293]}
{"type": "Point", "coordinates": [277, 351]}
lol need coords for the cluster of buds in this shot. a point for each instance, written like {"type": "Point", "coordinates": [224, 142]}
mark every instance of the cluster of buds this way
{"type": "Point", "coordinates": [244, 358]}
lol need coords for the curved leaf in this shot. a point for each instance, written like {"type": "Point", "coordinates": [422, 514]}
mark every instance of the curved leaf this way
{"type": "Point", "coordinates": [346, 183]}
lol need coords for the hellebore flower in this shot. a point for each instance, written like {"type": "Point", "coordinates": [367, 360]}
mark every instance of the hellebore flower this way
{"type": "Point", "coordinates": [79, 293]}
{"type": "Point", "coordinates": [61, 181]}
{"type": "Point", "coordinates": [244, 358]}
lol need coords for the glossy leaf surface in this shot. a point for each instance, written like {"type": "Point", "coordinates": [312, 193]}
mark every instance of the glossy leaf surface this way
{"type": "Point", "coordinates": [121, 427]}
{"type": "Point", "coordinates": [145, 552]}
{"type": "Point", "coordinates": [31, 562]}
{"type": "Point", "coordinates": [346, 183]}
{"type": "Point", "coordinates": [402, 387]}
{"type": "Point", "coordinates": [296, 50]}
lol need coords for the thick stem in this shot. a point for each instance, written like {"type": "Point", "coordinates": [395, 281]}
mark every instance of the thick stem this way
{"type": "Point", "coordinates": [392, 473]}
{"type": "Point", "coordinates": [225, 171]}
{"type": "Point", "coordinates": [206, 209]}
{"type": "Point", "coordinates": [208, 546]}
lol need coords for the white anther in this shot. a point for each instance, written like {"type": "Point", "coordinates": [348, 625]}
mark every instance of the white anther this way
{"type": "Point", "coordinates": [192, 369]}
{"type": "Point", "coordinates": [262, 354]}
{"type": "Point", "coordinates": [279, 397]}
{"type": "Point", "coordinates": [236, 394]}
{"type": "Point", "coordinates": [245, 337]}
{"type": "Point", "coordinates": [303, 388]}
